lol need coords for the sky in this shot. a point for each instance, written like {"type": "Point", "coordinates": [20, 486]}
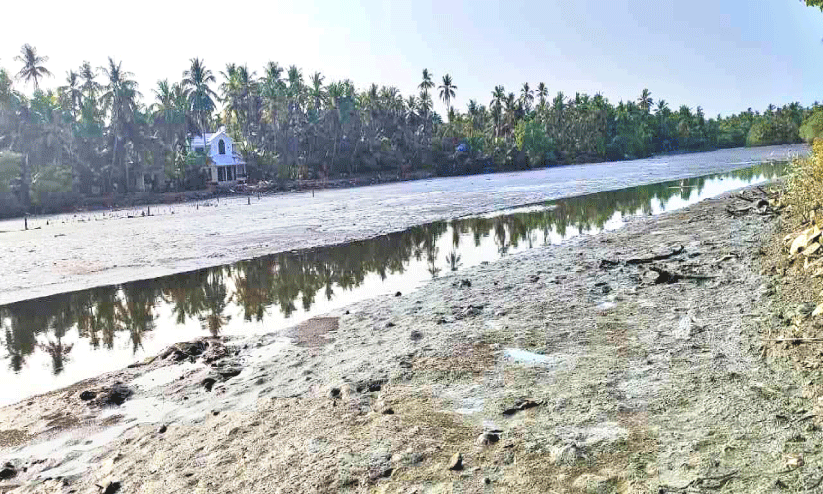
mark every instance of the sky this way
{"type": "Point", "coordinates": [723, 55]}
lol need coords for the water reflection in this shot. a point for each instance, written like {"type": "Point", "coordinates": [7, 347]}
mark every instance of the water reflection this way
{"type": "Point", "coordinates": [54, 341]}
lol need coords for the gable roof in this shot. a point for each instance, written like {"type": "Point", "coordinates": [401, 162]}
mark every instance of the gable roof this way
{"type": "Point", "coordinates": [197, 139]}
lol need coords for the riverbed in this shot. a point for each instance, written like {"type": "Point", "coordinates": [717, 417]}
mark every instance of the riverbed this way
{"type": "Point", "coordinates": [73, 252]}
{"type": "Point", "coordinates": [55, 341]}
{"type": "Point", "coordinates": [628, 361]}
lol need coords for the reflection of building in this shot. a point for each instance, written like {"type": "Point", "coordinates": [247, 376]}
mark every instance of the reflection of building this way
{"type": "Point", "coordinates": [227, 166]}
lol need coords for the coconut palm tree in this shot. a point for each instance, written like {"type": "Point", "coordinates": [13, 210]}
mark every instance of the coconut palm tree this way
{"type": "Point", "coordinates": [447, 90]}
{"type": "Point", "coordinates": [526, 97]}
{"type": "Point", "coordinates": [119, 101]}
{"type": "Point", "coordinates": [33, 69]}
{"type": "Point", "coordinates": [542, 94]}
{"type": "Point", "coordinates": [427, 83]}
{"type": "Point", "coordinates": [197, 80]}
{"type": "Point", "coordinates": [645, 100]}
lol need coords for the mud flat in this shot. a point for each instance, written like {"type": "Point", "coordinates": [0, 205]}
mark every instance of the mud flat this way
{"type": "Point", "coordinates": [86, 250]}
{"type": "Point", "coordinates": [630, 361]}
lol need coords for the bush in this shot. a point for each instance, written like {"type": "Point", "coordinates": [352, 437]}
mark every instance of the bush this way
{"type": "Point", "coordinates": [805, 182]}
{"type": "Point", "coordinates": [812, 128]}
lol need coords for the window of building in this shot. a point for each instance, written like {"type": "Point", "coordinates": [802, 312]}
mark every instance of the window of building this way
{"type": "Point", "coordinates": [221, 147]}
{"type": "Point", "coordinates": [221, 174]}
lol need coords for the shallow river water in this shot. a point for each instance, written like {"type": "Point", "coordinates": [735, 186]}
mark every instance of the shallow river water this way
{"type": "Point", "coordinates": [54, 341]}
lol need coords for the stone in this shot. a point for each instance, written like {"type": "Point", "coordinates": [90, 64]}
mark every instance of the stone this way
{"type": "Point", "coordinates": [8, 472]}
{"type": "Point", "coordinates": [488, 438]}
{"type": "Point", "coordinates": [416, 335]}
{"type": "Point", "coordinates": [398, 294]}
{"type": "Point", "coordinates": [456, 462]}
{"type": "Point", "coordinates": [334, 393]}
{"type": "Point", "coordinates": [115, 396]}
{"type": "Point", "coordinates": [162, 429]}
{"type": "Point", "coordinates": [534, 278]}
{"type": "Point", "coordinates": [88, 395]}
{"type": "Point", "coordinates": [566, 454]}
{"type": "Point", "coordinates": [591, 484]}
{"type": "Point", "coordinates": [388, 411]}
{"type": "Point", "coordinates": [112, 487]}
{"type": "Point", "coordinates": [389, 324]}
{"type": "Point", "coordinates": [208, 383]}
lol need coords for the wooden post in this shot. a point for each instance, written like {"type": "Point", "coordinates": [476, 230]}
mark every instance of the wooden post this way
{"type": "Point", "coordinates": [26, 222]}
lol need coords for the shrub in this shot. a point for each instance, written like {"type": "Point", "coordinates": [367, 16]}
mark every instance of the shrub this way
{"type": "Point", "coordinates": [805, 181]}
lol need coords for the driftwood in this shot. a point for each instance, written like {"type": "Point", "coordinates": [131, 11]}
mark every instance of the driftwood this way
{"type": "Point", "coordinates": [666, 276]}
{"type": "Point", "coordinates": [715, 483]}
{"type": "Point", "coordinates": [657, 257]}
{"type": "Point", "coordinates": [796, 340]}
{"type": "Point", "coordinates": [608, 263]}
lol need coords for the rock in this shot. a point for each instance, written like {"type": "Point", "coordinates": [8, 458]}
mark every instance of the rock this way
{"type": "Point", "coordinates": [520, 405]}
{"type": "Point", "coordinates": [592, 484]}
{"type": "Point", "coordinates": [8, 472]}
{"type": "Point", "coordinates": [566, 454]}
{"type": "Point", "coordinates": [228, 372]}
{"type": "Point", "coordinates": [182, 351]}
{"type": "Point", "coordinates": [798, 244]}
{"type": "Point", "coordinates": [398, 294]}
{"type": "Point", "coordinates": [380, 467]}
{"type": "Point", "coordinates": [464, 283]}
{"type": "Point", "coordinates": [534, 278]}
{"type": "Point", "coordinates": [793, 462]}
{"type": "Point", "coordinates": [416, 335]}
{"type": "Point", "coordinates": [208, 383]}
{"type": "Point", "coordinates": [113, 487]}
{"type": "Point", "coordinates": [88, 395]}
{"type": "Point", "coordinates": [388, 411]}
{"type": "Point", "coordinates": [389, 324]}
{"type": "Point", "coordinates": [456, 462]}
{"type": "Point", "coordinates": [334, 393]}
{"type": "Point", "coordinates": [488, 438]}
{"type": "Point", "coordinates": [114, 396]}
{"type": "Point", "coordinates": [162, 429]}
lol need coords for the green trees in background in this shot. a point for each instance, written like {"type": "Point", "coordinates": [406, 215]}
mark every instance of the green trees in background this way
{"type": "Point", "coordinates": [96, 133]}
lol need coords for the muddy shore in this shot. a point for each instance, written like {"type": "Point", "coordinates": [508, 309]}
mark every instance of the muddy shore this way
{"type": "Point", "coordinates": [75, 252]}
{"type": "Point", "coordinates": [630, 361]}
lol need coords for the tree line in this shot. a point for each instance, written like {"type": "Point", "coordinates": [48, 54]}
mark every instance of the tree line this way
{"type": "Point", "coordinates": [97, 133]}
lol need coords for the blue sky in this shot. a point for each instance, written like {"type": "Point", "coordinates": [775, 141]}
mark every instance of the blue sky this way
{"type": "Point", "coordinates": [724, 55]}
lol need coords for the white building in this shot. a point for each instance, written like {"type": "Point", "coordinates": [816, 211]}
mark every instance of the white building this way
{"type": "Point", "coordinates": [227, 166]}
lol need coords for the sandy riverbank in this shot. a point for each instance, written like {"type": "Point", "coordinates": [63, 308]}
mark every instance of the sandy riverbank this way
{"type": "Point", "coordinates": [566, 369]}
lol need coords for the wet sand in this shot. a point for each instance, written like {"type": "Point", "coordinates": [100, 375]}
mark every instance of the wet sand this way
{"type": "Point", "coordinates": [624, 362]}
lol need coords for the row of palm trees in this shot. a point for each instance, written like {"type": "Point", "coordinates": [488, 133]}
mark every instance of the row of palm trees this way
{"type": "Point", "coordinates": [98, 134]}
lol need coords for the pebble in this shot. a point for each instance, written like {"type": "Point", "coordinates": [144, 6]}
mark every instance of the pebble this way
{"type": "Point", "coordinates": [488, 438]}
{"type": "Point", "coordinates": [113, 487]}
{"type": "Point", "coordinates": [456, 462]}
{"type": "Point", "coordinates": [8, 472]}
{"type": "Point", "coordinates": [162, 429]}
{"type": "Point", "coordinates": [416, 335]}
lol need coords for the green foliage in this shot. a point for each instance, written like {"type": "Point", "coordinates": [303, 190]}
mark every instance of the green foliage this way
{"type": "Point", "coordinates": [531, 138]}
{"type": "Point", "coordinates": [804, 190]}
{"type": "Point", "coordinates": [815, 3]}
{"type": "Point", "coordinates": [9, 170]}
{"type": "Point", "coordinates": [98, 128]}
{"type": "Point", "coordinates": [812, 128]}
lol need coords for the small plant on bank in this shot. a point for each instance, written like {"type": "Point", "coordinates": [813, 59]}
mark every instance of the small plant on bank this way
{"type": "Point", "coordinates": [804, 191]}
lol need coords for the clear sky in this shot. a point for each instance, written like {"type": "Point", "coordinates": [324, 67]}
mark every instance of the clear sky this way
{"type": "Point", "coordinates": [724, 55]}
